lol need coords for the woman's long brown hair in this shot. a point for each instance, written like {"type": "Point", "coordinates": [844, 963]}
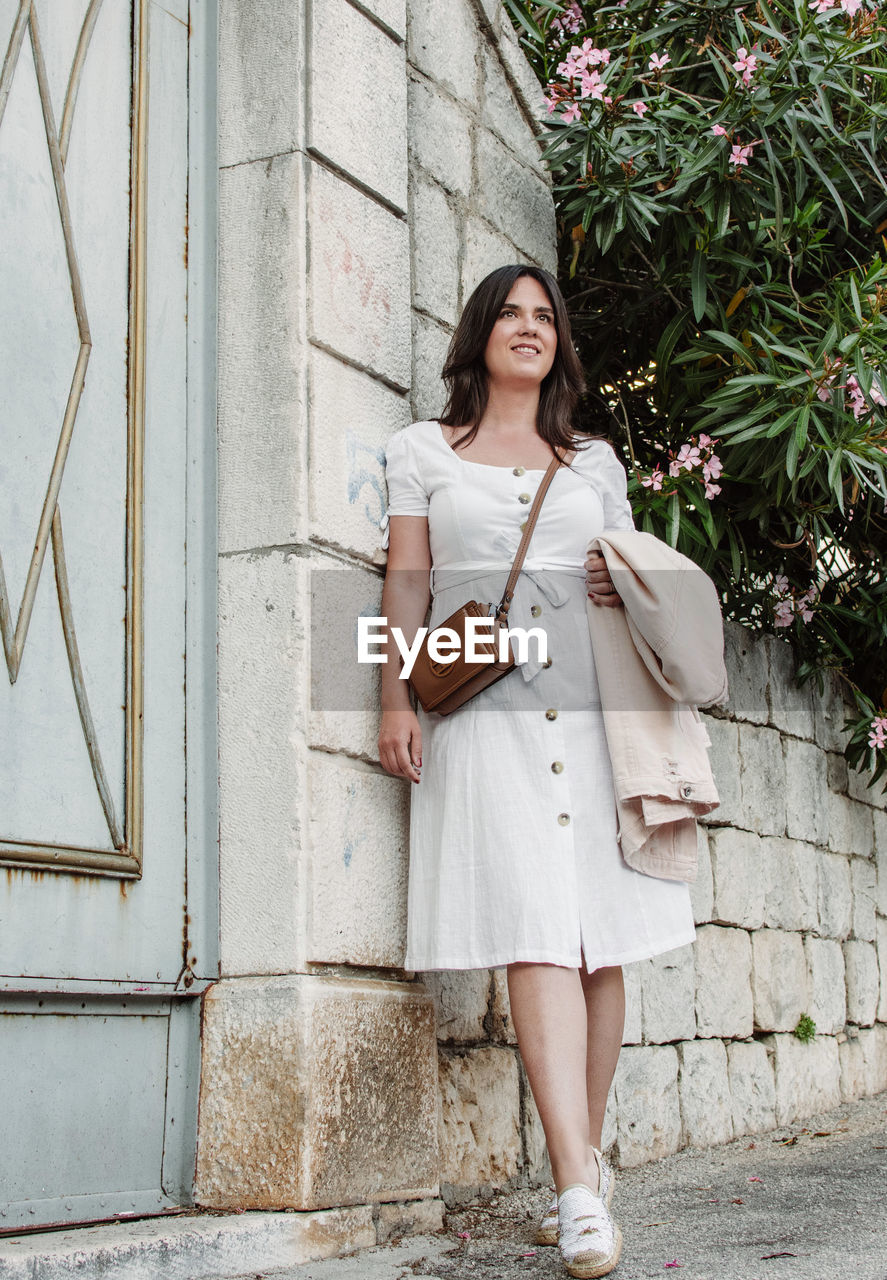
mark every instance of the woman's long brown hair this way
{"type": "Point", "coordinates": [465, 372]}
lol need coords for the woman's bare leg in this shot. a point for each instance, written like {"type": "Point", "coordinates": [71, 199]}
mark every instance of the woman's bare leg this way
{"type": "Point", "coordinates": [548, 1008]}
{"type": "Point", "coordinates": [604, 991]}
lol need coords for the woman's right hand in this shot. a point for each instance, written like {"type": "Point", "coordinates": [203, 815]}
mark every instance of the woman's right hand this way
{"type": "Point", "coordinates": [400, 744]}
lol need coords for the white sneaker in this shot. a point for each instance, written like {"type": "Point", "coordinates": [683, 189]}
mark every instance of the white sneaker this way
{"type": "Point", "coordinates": [546, 1232]}
{"type": "Point", "coordinates": [590, 1241]}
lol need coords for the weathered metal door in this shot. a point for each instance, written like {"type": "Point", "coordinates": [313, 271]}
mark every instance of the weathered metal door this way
{"type": "Point", "coordinates": [106, 817]}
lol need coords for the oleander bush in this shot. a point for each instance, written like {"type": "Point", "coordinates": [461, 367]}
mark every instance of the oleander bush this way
{"type": "Point", "coordinates": [720, 183]}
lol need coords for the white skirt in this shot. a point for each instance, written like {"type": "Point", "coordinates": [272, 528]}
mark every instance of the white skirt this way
{"type": "Point", "coordinates": [513, 848]}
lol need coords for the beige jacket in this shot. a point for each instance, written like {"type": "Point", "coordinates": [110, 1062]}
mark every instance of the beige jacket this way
{"type": "Point", "coordinates": [657, 660]}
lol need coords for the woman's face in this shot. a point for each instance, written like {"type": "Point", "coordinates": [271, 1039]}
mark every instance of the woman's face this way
{"type": "Point", "coordinates": [522, 343]}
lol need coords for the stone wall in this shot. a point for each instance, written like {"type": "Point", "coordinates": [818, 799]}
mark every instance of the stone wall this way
{"type": "Point", "coordinates": [377, 159]}
{"type": "Point", "coordinates": [791, 912]}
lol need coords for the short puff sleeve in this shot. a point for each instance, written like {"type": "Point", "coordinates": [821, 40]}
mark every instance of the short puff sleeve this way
{"type": "Point", "coordinates": [407, 495]}
{"type": "Point", "coordinates": [614, 492]}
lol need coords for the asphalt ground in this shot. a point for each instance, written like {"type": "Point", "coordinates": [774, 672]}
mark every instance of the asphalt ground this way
{"type": "Point", "coordinates": [805, 1202]}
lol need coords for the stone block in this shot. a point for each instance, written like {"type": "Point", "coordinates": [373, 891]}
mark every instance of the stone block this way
{"type": "Point", "coordinates": [461, 998]}
{"type": "Point", "coordinates": [702, 888]}
{"type": "Point", "coordinates": [610, 1128]}
{"type": "Point", "coordinates": [748, 673]}
{"type": "Point", "coordinates": [439, 137]}
{"type": "Point", "coordinates": [779, 979]}
{"type": "Point", "coordinates": [501, 1025]}
{"type": "Point", "coordinates": [261, 57]}
{"type": "Point", "coordinates": [261, 355]}
{"type": "Point", "coordinates": [337, 120]}
{"type": "Point", "coordinates": [850, 825]}
{"type": "Point", "coordinates": [515, 200]}
{"type": "Point", "coordinates": [430, 344]}
{"type": "Point", "coordinates": [706, 1104]}
{"type": "Point", "coordinates": [850, 1057]}
{"type": "Point", "coordinates": [262, 762]}
{"type": "Point", "coordinates": [874, 1057]}
{"type": "Point", "coordinates": [485, 250]}
{"type": "Point", "coordinates": [668, 996]}
{"type": "Point", "coordinates": [351, 417]}
{"type": "Point", "coordinates": [443, 42]}
{"type": "Point", "coordinates": [859, 789]}
{"type": "Point", "coordinates": [806, 792]}
{"type": "Point", "coordinates": [752, 1088]}
{"type": "Point", "coordinates": [359, 837]}
{"type": "Point", "coordinates": [632, 1032]}
{"type": "Point", "coordinates": [879, 844]}
{"type": "Point", "coordinates": [762, 781]}
{"type": "Point", "coordinates": [829, 713]}
{"type": "Point", "coordinates": [864, 883]}
{"type": "Point", "coordinates": [479, 1132]}
{"type": "Point", "coordinates": [826, 981]}
{"type": "Point", "coordinates": [536, 1163]}
{"type": "Point", "coordinates": [791, 704]}
{"type": "Point", "coordinates": [807, 1076]}
{"type": "Point", "coordinates": [647, 1102]}
{"type": "Point", "coordinates": [409, 1218]}
{"type": "Point", "coordinates": [882, 966]}
{"type": "Point", "coordinates": [791, 877]}
{"type": "Point", "coordinates": [724, 759]}
{"type": "Point", "coordinates": [738, 877]}
{"type": "Point", "coordinates": [837, 772]}
{"type": "Point", "coordinates": [502, 113]}
{"type": "Point", "coordinates": [343, 708]}
{"type": "Point", "coordinates": [315, 1092]}
{"type": "Point", "coordinates": [723, 983]}
{"type": "Point", "coordinates": [835, 896]}
{"type": "Point", "coordinates": [863, 982]}
{"type": "Point", "coordinates": [360, 278]}
{"type": "Point", "coordinates": [390, 13]}
{"type": "Point", "coordinates": [435, 239]}
{"type": "Point", "coordinates": [528, 91]}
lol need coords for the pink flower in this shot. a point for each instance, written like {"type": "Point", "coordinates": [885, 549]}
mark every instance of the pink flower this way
{"type": "Point", "coordinates": [822, 5]}
{"type": "Point", "coordinates": [640, 108]}
{"type": "Point", "coordinates": [592, 85]}
{"type": "Point", "coordinates": [653, 480]}
{"type": "Point", "coordinates": [595, 56]}
{"type": "Point", "coordinates": [739, 155]}
{"type": "Point", "coordinates": [780, 584]}
{"type": "Point", "coordinates": [745, 62]}
{"type": "Point", "coordinates": [712, 467]}
{"type": "Point", "coordinates": [570, 21]}
{"type": "Point", "coordinates": [550, 102]}
{"type": "Point", "coordinates": [877, 737]}
{"type": "Point", "coordinates": [851, 7]}
{"type": "Point", "coordinates": [719, 131]}
{"type": "Point", "coordinates": [658, 61]}
{"type": "Point", "coordinates": [783, 614]}
{"type": "Point", "coordinates": [572, 113]}
{"type": "Point", "coordinates": [704, 440]}
{"type": "Point", "coordinates": [711, 490]}
{"type": "Point", "coordinates": [688, 456]}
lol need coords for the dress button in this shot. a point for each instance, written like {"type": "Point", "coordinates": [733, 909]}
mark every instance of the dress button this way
{"type": "Point", "coordinates": [686, 791]}
{"type": "Point", "coordinates": [535, 610]}
{"type": "Point", "coordinates": [523, 497]}
{"type": "Point", "coordinates": [519, 471]}
{"type": "Point", "coordinates": [547, 662]}
{"type": "Point", "coordinates": [523, 524]}
{"type": "Point", "coordinates": [557, 766]}
{"type": "Point", "coordinates": [551, 714]}
{"type": "Point", "coordinates": [563, 819]}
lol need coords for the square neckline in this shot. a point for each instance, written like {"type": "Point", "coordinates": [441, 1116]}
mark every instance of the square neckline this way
{"type": "Point", "coordinates": [491, 466]}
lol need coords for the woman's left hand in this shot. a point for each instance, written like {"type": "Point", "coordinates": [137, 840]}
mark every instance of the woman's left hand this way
{"type": "Point", "coordinates": [599, 583]}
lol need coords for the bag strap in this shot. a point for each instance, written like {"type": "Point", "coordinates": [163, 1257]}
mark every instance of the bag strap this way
{"type": "Point", "coordinates": [504, 604]}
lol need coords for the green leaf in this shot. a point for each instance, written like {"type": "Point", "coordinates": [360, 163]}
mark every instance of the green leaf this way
{"type": "Point", "coordinates": [518, 11]}
{"type": "Point", "coordinates": [674, 519]}
{"type": "Point", "coordinates": [699, 285]}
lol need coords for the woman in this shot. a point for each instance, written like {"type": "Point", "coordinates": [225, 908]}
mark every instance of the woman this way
{"type": "Point", "coordinates": [514, 859]}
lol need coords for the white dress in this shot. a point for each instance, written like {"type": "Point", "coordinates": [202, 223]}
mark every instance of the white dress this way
{"type": "Point", "coordinates": [513, 833]}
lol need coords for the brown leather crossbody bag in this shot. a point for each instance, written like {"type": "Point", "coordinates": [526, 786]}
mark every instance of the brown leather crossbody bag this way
{"type": "Point", "coordinates": [443, 686]}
